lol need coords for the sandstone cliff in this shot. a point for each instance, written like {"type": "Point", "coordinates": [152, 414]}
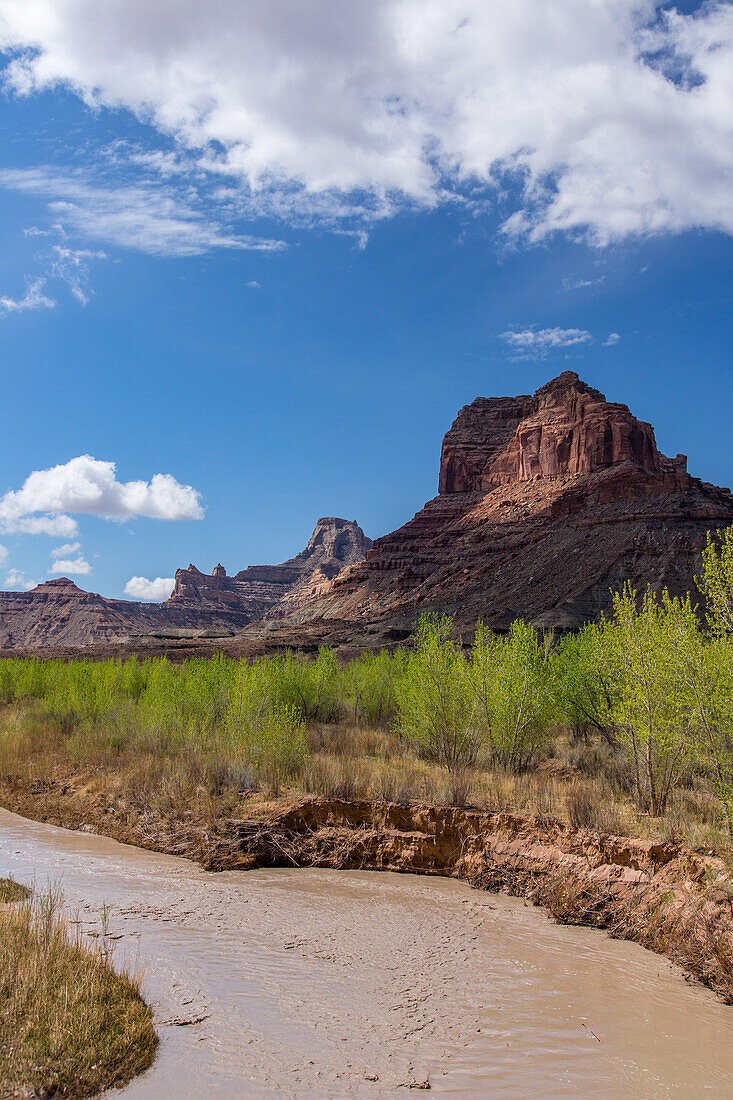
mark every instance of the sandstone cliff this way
{"type": "Point", "coordinates": [545, 504]}
{"type": "Point", "coordinates": [257, 590]}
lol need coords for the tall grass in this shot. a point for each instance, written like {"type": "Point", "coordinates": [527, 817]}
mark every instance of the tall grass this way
{"type": "Point", "coordinates": [70, 1025]}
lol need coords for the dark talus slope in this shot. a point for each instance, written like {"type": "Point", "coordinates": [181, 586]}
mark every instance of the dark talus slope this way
{"type": "Point", "coordinates": [58, 613]}
{"type": "Point", "coordinates": [545, 503]}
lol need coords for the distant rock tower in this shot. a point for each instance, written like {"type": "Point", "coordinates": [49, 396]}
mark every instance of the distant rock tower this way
{"type": "Point", "coordinates": [219, 571]}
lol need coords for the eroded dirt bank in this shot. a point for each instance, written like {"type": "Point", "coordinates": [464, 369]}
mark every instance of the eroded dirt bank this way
{"type": "Point", "coordinates": [662, 895]}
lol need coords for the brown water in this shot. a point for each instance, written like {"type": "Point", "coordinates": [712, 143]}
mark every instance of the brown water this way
{"type": "Point", "coordinates": [310, 983]}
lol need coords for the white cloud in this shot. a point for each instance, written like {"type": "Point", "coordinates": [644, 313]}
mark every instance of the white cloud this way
{"type": "Point", "coordinates": [613, 117]}
{"type": "Point", "coordinates": [146, 217]}
{"type": "Point", "coordinates": [56, 526]}
{"type": "Point", "coordinates": [34, 298]}
{"type": "Point", "coordinates": [612, 339]}
{"type": "Point", "coordinates": [18, 582]}
{"type": "Point", "coordinates": [69, 566]}
{"type": "Point", "coordinates": [140, 588]}
{"type": "Point", "coordinates": [66, 549]}
{"type": "Point", "coordinates": [253, 284]}
{"type": "Point", "coordinates": [3, 554]}
{"type": "Point", "coordinates": [88, 485]}
{"type": "Point", "coordinates": [537, 342]}
{"type": "Point", "coordinates": [581, 284]}
{"type": "Point", "coordinates": [63, 564]}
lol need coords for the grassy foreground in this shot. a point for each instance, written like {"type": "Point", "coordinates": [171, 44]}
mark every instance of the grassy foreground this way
{"type": "Point", "coordinates": [143, 751]}
{"type": "Point", "coordinates": [70, 1025]}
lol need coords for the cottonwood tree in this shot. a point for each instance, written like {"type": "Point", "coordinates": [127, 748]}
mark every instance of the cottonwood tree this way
{"type": "Point", "coordinates": [704, 670]}
{"type": "Point", "coordinates": [434, 704]}
{"type": "Point", "coordinates": [511, 681]}
{"type": "Point", "coordinates": [653, 711]}
{"type": "Point", "coordinates": [585, 686]}
{"type": "Point", "coordinates": [716, 581]}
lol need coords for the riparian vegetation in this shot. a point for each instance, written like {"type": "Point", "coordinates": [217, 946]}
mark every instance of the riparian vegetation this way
{"type": "Point", "coordinates": [626, 725]}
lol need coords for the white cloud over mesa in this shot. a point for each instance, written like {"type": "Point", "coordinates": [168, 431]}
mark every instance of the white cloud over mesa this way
{"type": "Point", "coordinates": [62, 564]}
{"type": "Point", "coordinates": [18, 581]}
{"type": "Point", "coordinates": [612, 118]}
{"type": "Point", "coordinates": [48, 499]}
{"type": "Point", "coordinates": [140, 588]}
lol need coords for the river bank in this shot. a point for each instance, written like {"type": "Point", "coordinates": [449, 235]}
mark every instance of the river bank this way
{"type": "Point", "coordinates": [662, 895]}
{"type": "Point", "coordinates": [290, 983]}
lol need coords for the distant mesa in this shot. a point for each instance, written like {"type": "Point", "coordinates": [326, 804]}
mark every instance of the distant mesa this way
{"type": "Point", "coordinates": [59, 613]}
{"type": "Point", "coordinates": [58, 584]}
{"type": "Point", "coordinates": [546, 502]}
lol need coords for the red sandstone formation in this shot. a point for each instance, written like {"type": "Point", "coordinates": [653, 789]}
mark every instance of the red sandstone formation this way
{"type": "Point", "coordinates": [257, 590]}
{"type": "Point", "coordinates": [59, 614]}
{"type": "Point", "coordinates": [567, 428]}
{"type": "Point", "coordinates": [545, 504]}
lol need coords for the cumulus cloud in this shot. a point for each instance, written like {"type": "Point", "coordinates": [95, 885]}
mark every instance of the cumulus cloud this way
{"type": "Point", "coordinates": [34, 298]}
{"type": "Point", "coordinates": [63, 564]}
{"type": "Point", "coordinates": [56, 526]}
{"type": "Point", "coordinates": [146, 217]}
{"type": "Point", "coordinates": [611, 118]}
{"type": "Point", "coordinates": [66, 549]}
{"type": "Point", "coordinates": [89, 486]}
{"type": "Point", "coordinates": [612, 339]}
{"type": "Point", "coordinates": [140, 588]}
{"type": "Point", "coordinates": [16, 581]}
{"type": "Point", "coordinates": [537, 342]}
{"type": "Point", "coordinates": [69, 566]}
{"type": "Point", "coordinates": [3, 554]}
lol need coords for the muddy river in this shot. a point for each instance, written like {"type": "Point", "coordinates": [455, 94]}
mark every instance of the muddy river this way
{"type": "Point", "coordinates": [310, 983]}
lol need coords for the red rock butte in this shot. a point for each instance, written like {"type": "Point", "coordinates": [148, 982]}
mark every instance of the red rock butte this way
{"type": "Point", "coordinates": [545, 504]}
{"type": "Point", "coordinates": [567, 428]}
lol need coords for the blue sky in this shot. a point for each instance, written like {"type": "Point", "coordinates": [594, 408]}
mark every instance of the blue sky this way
{"type": "Point", "coordinates": [280, 291]}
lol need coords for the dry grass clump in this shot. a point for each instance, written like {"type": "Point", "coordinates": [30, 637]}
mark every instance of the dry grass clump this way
{"type": "Point", "coordinates": [70, 1025]}
{"type": "Point", "coordinates": [12, 891]}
